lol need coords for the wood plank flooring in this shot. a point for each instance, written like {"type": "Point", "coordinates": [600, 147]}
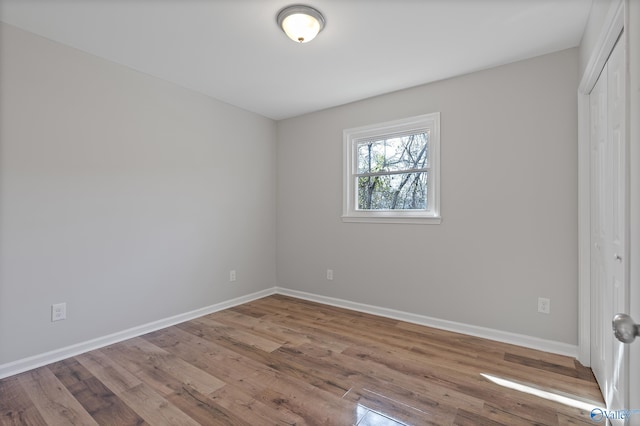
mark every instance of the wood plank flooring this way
{"type": "Point", "coordinates": [285, 361]}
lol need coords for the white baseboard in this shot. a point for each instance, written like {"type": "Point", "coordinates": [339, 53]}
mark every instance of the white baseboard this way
{"type": "Point", "coordinates": [473, 330]}
{"type": "Point", "coordinates": [36, 361]}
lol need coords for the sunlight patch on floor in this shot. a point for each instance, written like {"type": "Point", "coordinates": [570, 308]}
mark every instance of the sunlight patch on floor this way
{"type": "Point", "coordinates": [582, 404]}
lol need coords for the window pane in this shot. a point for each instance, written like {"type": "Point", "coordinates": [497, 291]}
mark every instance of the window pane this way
{"type": "Point", "coordinates": [393, 153]}
{"type": "Point", "coordinates": [405, 191]}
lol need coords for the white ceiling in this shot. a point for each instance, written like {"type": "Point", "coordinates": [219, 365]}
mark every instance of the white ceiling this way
{"type": "Point", "coordinates": [232, 50]}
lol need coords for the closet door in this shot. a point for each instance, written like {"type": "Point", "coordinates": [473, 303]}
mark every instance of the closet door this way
{"type": "Point", "coordinates": [598, 121]}
{"type": "Point", "coordinates": [609, 227]}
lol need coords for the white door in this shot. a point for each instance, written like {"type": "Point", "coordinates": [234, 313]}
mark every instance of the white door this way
{"type": "Point", "coordinates": [609, 228]}
{"type": "Point", "coordinates": [598, 137]}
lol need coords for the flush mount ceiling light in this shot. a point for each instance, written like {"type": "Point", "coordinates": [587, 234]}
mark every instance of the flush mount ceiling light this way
{"type": "Point", "coordinates": [301, 23]}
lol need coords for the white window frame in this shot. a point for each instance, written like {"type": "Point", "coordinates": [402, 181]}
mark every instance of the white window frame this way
{"type": "Point", "coordinates": [417, 124]}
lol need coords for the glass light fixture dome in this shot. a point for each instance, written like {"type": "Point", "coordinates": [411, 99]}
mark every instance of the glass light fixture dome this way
{"type": "Point", "coordinates": [301, 23]}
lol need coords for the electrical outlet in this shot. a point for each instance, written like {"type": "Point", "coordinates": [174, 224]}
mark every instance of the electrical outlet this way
{"type": "Point", "coordinates": [330, 274]}
{"type": "Point", "coordinates": [58, 312]}
{"type": "Point", "coordinates": [232, 275]}
{"type": "Point", "coordinates": [544, 305]}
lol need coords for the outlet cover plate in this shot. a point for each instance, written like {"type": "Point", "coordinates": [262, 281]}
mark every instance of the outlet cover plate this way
{"type": "Point", "coordinates": [544, 305]}
{"type": "Point", "coordinates": [58, 312]}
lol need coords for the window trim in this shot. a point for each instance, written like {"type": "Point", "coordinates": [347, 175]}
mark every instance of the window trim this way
{"type": "Point", "coordinates": [411, 124]}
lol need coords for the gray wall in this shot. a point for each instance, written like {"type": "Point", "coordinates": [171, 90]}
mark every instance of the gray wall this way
{"type": "Point", "coordinates": [130, 199]}
{"type": "Point", "coordinates": [125, 196]}
{"type": "Point", "coordinates": [509, 204]}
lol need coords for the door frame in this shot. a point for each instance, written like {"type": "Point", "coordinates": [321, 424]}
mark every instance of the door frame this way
{"type": "Point", "coordinates": [632, 25]}
{"type": "Point", "coordinates": [611, 29]}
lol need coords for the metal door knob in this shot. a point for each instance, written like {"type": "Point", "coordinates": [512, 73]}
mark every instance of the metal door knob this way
{"type": "Point", "coordinates": [624, 328]}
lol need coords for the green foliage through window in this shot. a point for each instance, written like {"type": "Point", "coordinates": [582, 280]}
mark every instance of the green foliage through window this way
{"type": "Point", "coordinates": [392, 173]}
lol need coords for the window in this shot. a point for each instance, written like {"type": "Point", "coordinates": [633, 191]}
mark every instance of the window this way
{"type": "Point", "coordinates": [391, 171]}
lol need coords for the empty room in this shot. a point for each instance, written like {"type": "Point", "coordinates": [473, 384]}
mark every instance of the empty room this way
{"type": "Point", "coordinates": [337, 212]}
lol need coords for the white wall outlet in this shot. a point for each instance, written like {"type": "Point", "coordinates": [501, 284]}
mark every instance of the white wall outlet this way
{"type": "Point", "coordinates": [544, 305]}
{"type": "Point", "coordinates": [58, 312]}
{"type": "Point", "coordinates": [232, 275]}
{"type": "Point", "coordinates": [330, 274]}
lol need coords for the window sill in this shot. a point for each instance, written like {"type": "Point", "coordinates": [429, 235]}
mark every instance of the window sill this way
{"type": "Point", "coordinates": [393, 219]}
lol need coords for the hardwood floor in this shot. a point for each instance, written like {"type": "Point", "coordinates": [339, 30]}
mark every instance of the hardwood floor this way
{"type": "Point", "coordinates": [285, 361]}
